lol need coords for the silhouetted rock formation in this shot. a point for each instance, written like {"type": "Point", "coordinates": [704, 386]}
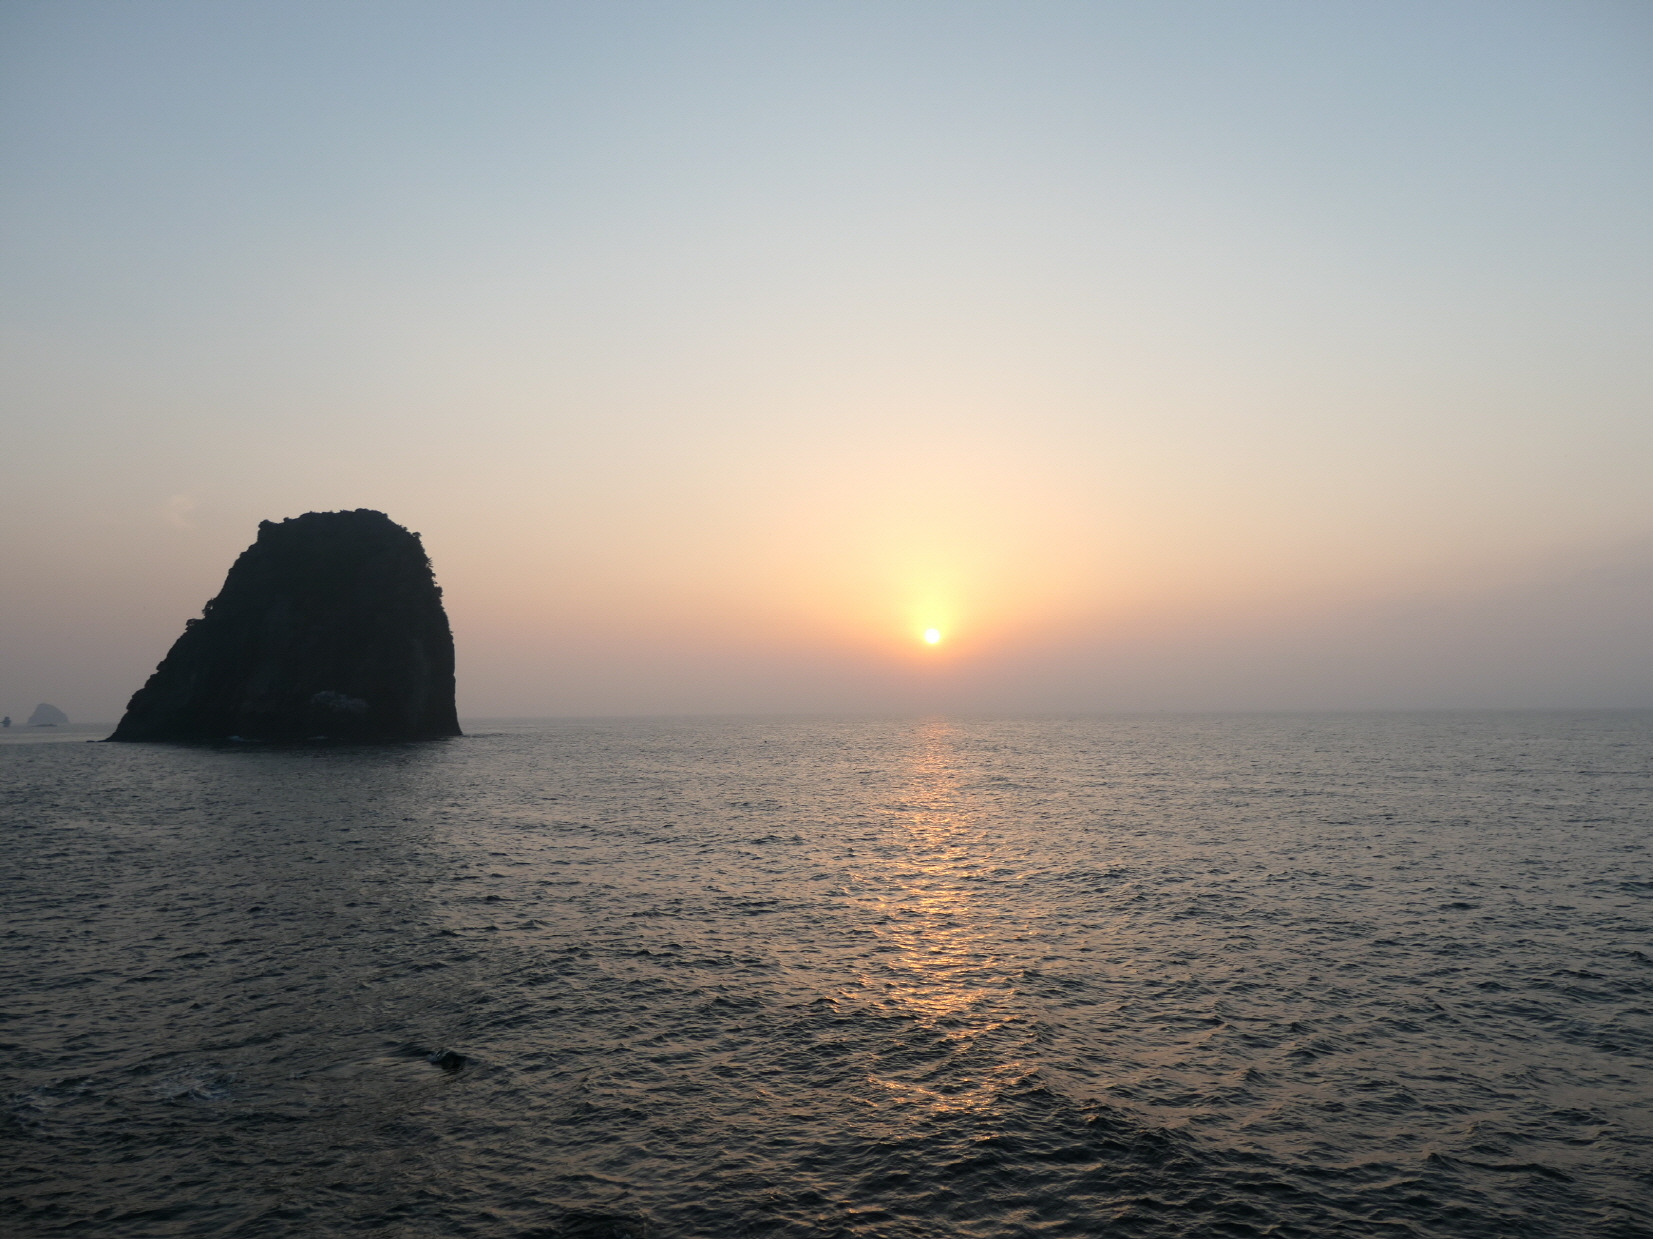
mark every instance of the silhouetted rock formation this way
{"type": "Point", "coordinates": [48, 716]}
{"type": "Point", "coordinates": [331, 624]}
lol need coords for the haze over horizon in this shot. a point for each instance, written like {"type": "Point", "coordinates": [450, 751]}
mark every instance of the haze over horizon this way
{"type": "Point", "coordinates": [1181, 356]}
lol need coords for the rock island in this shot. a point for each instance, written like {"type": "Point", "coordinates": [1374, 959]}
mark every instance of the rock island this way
{"type": "Point", "coordinates": [329, 626]}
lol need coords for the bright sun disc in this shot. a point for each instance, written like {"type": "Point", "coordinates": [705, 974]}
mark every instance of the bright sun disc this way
{"type": "Point", "coordinates": [932, 636]}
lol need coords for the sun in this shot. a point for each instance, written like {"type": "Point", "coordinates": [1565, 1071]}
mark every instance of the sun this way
{"type": "Point", "coordinates": [932, 636]}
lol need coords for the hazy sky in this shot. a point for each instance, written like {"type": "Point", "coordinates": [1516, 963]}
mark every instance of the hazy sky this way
{"type": "Point", "coordinates": [1221, 354]}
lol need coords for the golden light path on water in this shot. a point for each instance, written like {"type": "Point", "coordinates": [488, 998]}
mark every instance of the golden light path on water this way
{"type": "Point", "coordinates": [941, 944]}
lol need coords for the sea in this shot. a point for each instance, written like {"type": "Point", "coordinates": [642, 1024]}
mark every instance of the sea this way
{"type": "Point", "coordinates": [1307, 975]}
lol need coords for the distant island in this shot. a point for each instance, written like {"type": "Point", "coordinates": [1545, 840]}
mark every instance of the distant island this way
{"type": "Point", "coordinates": [46, 716]}
{"type": "Point", "coordinates": [329, 626]}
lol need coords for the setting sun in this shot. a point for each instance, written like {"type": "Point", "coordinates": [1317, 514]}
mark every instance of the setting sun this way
{"type": "Point", "coordinates": [932, 636]}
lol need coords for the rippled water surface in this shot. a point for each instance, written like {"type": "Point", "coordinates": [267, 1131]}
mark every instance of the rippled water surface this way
{"type": "Point", "coordinates": [1225, 976]}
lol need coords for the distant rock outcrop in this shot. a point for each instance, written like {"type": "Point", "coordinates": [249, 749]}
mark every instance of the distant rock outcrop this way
{"type": "Point", "coordinates": [48, 716]}
{"type": "Point", "coordinates": [330, 625]}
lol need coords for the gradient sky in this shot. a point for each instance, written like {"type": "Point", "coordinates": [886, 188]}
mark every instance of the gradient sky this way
{"type": "Point", "coordinates": [1210, 355]}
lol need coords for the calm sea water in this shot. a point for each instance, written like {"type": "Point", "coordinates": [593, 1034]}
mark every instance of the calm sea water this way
{"type": "Point", "coordinates": [1386, 975]}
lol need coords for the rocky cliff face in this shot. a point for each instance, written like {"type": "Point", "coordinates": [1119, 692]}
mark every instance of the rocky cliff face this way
{"type": "Point", "coordinates": [331, 624]}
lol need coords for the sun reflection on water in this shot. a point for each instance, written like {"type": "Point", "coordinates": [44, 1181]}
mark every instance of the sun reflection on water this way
{"type": "Point", "coordinates": [939, 954]}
